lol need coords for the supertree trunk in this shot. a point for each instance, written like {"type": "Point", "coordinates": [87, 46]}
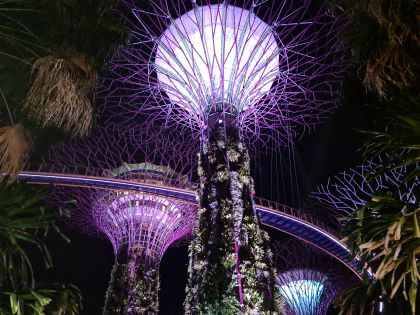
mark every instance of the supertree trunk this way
{"type": "Point", "coordinates": [134, 285]}
{"type": "Point", "coordinates": [116, 294]}
{"type": "Point", "coordinates": [143, 278]}
{"type": "Point", "coordinates": [231, 268]}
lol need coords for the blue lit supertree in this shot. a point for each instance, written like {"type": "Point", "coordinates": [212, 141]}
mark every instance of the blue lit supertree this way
{"type": "Point", "coordinates": [308, 279]}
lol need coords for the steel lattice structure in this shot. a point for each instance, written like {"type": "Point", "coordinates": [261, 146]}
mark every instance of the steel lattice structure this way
{"type": "Point", "coordinates": [133, 219]}
{"type": "Point", "coordinates": [351, 189]}
{"type": "Point", "coordinates": [228, 72]}
{"type": "Point", "coordinates": [140, 225]}
{"type": "Point", "coordinates": [308, 279]}
{"type": "Point", "coordinates": [276, 66]}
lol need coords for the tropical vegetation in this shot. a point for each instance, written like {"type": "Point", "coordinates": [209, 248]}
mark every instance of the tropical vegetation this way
{"type": "Point", "coordinates": [25, 220]}
{"type": "Point", "coordinates": [51, 55]}
{"type": "Point", "coordinates": [384, 37]}
{"type": "Point", "coordinates": [384, 235]}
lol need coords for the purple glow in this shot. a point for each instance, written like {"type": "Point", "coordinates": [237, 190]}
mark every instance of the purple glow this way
{"type": "Point", "coordinates": [142, 220]}
{"type": "Point", "coordinates": [186, 195]}
{"type": "Point", "coordinates": [352, 189]}
{"type": "Point", "coordinates": [148, 220]}
{"type": "Point", "coordinates": [277, 68]}
{"type": "Point", "coordinates": [217, 54]}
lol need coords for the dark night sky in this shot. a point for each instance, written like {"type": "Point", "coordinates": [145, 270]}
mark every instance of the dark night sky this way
{"type": "Point", "coordinates": [87, 262]}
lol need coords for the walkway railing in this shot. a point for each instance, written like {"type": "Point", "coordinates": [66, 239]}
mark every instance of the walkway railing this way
{"type": "Point", "coordinates": [273, 214]}
{"type": "Point", "coordinates": [304, 216]}
{"type": "Point", "coordinates": [84, 171]}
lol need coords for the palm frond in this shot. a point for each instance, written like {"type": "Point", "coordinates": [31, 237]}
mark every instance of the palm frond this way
{"type": "Point", "coordinates": [385, 38]}
{"type": "Point", "coordinates": [401, 139]}
{"type": "Point", "coordinates": [32, 33]}
{"type": "Point", "coordinates": [61, 92]}
{"type": "Point", "coordinates": [53, 299]}
{"type": "Point", "coordinates": [385, 235]}
{"type": "Point", "coordinates": [14, 147]}
{"type": "Point", "coordinates": [24, 221]}
{"type": "Point", "coordinates": [23, 218]}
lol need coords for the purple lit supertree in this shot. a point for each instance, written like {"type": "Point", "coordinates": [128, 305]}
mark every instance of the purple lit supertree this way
{"type": "Point", "coordinates": [231, 72]}
{"type": "Point", "coordinates": [140, 225]}
{"type": "Point", "coordinates": [308, 280]}
{"type": "Point", "coordinates": [274, 67]}
{"type": "Point", "coordinates": [352, 189]}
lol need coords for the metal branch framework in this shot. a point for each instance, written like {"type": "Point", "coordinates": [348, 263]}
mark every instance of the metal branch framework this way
{"type": "Point", "coordinates": [140, 225]}
{"type": "Point", "coordinates": [228, 73]}
{"type": "Point", "coordinates": [308, 280]}
{"type": "Point", "coordinates": [276, 66]}
{"type": "Point", "coordinates": [110, 147]}
{"type": "Point", "coordinates": [351, 189]}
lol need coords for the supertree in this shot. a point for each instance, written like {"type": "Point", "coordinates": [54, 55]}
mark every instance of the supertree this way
{"type": "Point", "coordinates": [140, 225]}
{"type": "Point", "coordinates": [353, 188]}
{"type": "Point", "coordinates": [231, 72]}
{"type": "Point", "coordinates": [308, 279]}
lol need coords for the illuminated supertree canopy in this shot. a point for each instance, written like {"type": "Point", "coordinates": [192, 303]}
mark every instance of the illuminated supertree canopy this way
{"type": "Point", "coordinates": [302, 290]}
{"type": "Point", "coordinates": [231, 72]}
{"type": "Point", "coordinates": [140, 225]}
{"type": "Point", "coordinates": [217, 55]}
{"type": "Point", "coordinates": [353, 188]}
{"type": "Point", "coordinates": [274, 67]}
{"type": "Point", "coordinates": [308, 279]}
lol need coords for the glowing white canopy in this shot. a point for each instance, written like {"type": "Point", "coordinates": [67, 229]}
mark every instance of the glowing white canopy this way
{"type": "Point", "coordinates": [302, 290]}
{"type": "Point", "coordinates": [217, 54]}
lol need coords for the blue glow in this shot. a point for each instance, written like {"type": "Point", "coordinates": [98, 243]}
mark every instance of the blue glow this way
{"type": "Point", "coordinates": [302, 296]}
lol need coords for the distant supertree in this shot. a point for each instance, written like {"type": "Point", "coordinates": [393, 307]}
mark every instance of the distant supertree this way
{"type": "Point", "coordinates": [233, 72]}
{"type": "Point", "coordinates": [308, 279]}
{"type": "Point", "coordinates": [140, 225]}
{"type": "Point", "coordinates": [352, 189]}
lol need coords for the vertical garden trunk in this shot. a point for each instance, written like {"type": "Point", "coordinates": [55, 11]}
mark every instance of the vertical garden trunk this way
{"type": "Point", "coordinates": [230, 267]}
{"type": "Point", "coordinates": [116, 294]}
{"type": "Point", "coordinates": [134, 285]}
{"type": "Point", "coordinates": [143, 278]}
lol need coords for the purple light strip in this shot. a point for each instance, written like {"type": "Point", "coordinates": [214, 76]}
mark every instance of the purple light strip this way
{"type": "Point", "coordinates": [117, 183]}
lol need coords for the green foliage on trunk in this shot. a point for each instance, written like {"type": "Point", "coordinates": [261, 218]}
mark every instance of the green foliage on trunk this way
{"type": "Point", "coordinates": [143, 284]}
{"type": "Point", "coordinates": [116, 294]}
{"type": "Point", "coordinates": [134, 285]}
{"type": "Point", "coordinates": [229, 257]}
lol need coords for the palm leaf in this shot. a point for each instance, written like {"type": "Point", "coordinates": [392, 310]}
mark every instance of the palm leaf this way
{"type": "Point", "coordinates": [385, 235]}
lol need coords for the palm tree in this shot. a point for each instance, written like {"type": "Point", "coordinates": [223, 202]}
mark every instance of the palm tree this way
{"type": "Point", "coordinates": [51, 55]}
{"type": "Point", "coordinates": [384, 36]}
{"type": "Point", "coordinates": [385, 235]}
